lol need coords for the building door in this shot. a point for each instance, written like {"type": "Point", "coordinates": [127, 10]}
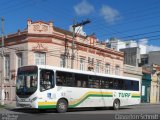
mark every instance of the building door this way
{"type": "Point", "coordinates": [148, 93]}
{"type": "Point", "coordinates": [159, 92]}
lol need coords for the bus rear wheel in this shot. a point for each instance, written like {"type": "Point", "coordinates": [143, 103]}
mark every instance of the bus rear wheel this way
{"type": "Point", "coordinates": [62, 106]}
{"type": "Point", "coordinates": [116, 104]}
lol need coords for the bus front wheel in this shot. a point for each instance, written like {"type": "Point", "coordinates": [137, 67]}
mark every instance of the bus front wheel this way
{"type": "Point", "coordinates": [62, 106]}
{"type": "Point", "coordinates": [116, 104]}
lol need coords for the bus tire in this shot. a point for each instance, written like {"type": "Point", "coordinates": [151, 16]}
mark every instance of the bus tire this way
{"type": "Point", "coordinates": [116, 104]}
{"type": "Point", "coordinates": [62, 106]}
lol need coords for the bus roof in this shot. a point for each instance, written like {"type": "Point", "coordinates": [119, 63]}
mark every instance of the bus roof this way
{"type": "Point", "coordinates": [83, 72]}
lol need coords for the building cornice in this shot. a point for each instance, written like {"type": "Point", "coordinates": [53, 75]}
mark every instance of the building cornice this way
{"type": "Point", "coordinates": [19, 37]}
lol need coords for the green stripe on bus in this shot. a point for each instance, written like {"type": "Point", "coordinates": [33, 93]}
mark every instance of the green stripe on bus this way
{"type": "Point", "coordinates": [90, 95]}
{"type": "Point", "coordinates": [46, 106]}
{"type": "Point", "coordinates": [135, 96]}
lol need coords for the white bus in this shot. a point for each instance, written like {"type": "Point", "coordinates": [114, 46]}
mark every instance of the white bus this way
{"type": "Point", "coordinates": [46, 87]}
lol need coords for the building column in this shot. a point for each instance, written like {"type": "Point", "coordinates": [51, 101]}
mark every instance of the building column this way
{"type": "Point", "coordinates": [158, 92]}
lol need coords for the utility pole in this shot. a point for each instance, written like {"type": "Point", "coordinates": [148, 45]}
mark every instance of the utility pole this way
{"type": "Point", "coordinates": [73, 40]}
{"type": "Point", "coordinates": [2, 61]}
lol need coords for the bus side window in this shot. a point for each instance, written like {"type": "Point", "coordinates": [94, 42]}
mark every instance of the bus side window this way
{"type": "Point", "coordinates": [90, 82]}
{"type": "Point", "coordinates": [136, 86]}
{"type": "Point", "coordinates": [59, 81]}
{"type": "Point", "coordinates": [78, 83]}
{"type": "Point", "coordinates": [46, 79]}
{"type": "Point", "coordinates": [81, 80]}
{"type": "Point", "coordinates": [121, 84]}
{"type": "Point", "coordinates": [115, 84]}
{"type": "Point", "coordinates": [69, 79]}
{"type": "Point", "coordinates": [131, 85]}
{"type": "Point", "coordinates": [78, 80]}
{"type": "Point", "coordinates": [84, 84]}
{"type": "Point", "coordinates": [96, 84]}
{"type": "Point", "coordinates": [110, 83]}
{"type": "Point", "coordinates": [102, 83]}
{"type": "Point", "coordinates": [106, 84]}
{"type": "Point", "coordinates": [127, 85]}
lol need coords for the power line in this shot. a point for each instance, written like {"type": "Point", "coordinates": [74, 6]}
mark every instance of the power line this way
{"type": "Point", "coordinates": [66, 12]}
{"type": "Point", "coordinates": [101, 28]}
{"type": "Point", "coordinates": [78, 59]}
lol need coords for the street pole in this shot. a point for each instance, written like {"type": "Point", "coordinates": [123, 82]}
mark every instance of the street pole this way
{"type": "Point", "coordinates": [2, 61]}
{"type": "Point", "coordinates": [73, 47]}
{"type": "Point", "coordinates": [73, 39]}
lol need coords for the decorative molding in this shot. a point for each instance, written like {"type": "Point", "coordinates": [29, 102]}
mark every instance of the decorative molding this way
{"type": "Point", "coordinates": [40, 28]}
{"type": "Point", "coordinates": [91, 51]}
{"type": "Point", "coordinates": [81, 56]}
{"type": "Point", "coordinates": [13, 71]}
{"type": "Point", "coordinates": [81, 48]}
{"type": "Point", "coordinates": [40, 48]}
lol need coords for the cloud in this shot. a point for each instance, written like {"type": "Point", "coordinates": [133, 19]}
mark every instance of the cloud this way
{"type": "Point", "coordinates": [149, 47]}
{"type": "Point", "coordinates": [109, 14]}
{"type": "Point", "coordinates": [83, 8]}
{"type": "Point", "coordinates": [143, 41]}
{"type": "Point", "coordinates": [153, 48]}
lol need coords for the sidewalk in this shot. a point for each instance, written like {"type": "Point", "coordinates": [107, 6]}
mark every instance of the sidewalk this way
{"type": "Point", "coordinates": [149, 103]}
{"type": "Point", "coordinates": [9, 105]}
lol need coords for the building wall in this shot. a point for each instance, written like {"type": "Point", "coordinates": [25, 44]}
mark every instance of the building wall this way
{"type": "Point", "coordinates": [132, 71]}
{"type": "Point", "coordinates": [154, 57]}
{"type": "Point", "coordinates": [131, 56]}
{"type": "Point", "coordinates": [42, 37]}
{"type": "Point", "coordinates": [155, 84]}
{"type": "Point", "coordinates": [120, 44]}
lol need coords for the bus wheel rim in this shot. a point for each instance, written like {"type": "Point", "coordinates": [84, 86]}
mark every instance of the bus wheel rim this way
{"type": "Point", "coordinates": [62, 106]}
{"type": "Point", "coordinates": [116, 104]}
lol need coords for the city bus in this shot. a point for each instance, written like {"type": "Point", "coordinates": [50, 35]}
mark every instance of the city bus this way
{"type": "Point", "coordinates": [46, 87]}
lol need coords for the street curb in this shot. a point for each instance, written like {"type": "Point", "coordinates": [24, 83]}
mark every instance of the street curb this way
{"type": "Point", "coordinates": [143, 104]}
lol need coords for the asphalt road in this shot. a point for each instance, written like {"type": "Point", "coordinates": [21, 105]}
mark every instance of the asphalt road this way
{"type": "Point", "coordinates": [142, 111]}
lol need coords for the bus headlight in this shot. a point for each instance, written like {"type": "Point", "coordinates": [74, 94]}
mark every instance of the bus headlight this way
{"type": "Point", "coordinates": [35, 98]}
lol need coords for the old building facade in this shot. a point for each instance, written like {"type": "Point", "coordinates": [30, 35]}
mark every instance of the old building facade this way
{"type": "Point", "coordinates": [43, 43]}
{"type": "Point", "coordinates": [155, 84]}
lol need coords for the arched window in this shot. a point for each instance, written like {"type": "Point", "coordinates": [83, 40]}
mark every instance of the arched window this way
{"type": "Point", "coordinates": [40, 58]}
{"type": "Point", "coordinates": [19, 60]}
{"type": "Point", "coordinates": [82, 64]}
{"type": "Point", "coordinates": [7, 65]}
{"type": "Point", "coordinates": [117, 70]}
{"type": "Point", "coordinates": [98, 67]}
{"type": "Point", "coordinates": [107, 68]}
{"type": "Point", "coordinates": [7, 95]}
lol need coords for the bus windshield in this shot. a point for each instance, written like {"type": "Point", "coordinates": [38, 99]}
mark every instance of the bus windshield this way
{"type": "Point", "coordinates": [26, 83]}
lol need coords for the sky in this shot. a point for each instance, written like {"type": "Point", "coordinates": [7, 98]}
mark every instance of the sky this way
{"type": "Point", "coordinates": [137, 20]}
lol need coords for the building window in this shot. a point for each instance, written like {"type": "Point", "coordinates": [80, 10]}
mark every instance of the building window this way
{"type": "Point", "coordinates": [19, 60]}
{"type": "Point", "coordinates": [117, 70]}
{"type": "Point", "coordinates": [107, 68]}
{"type": "Point", "coordinates": [62, 61]}
{"type": "Point", "coordinates": [90, 61]}
{"type": "Point", "coordinates": [144, 61]}
{"type": "Point", "coordinates": [6, 95]}
{"type": "Point", "coordinates": [7, 65]}
{"type": "Point", "coordinates": [98, 67]}
{"type": "Point", "coordinates": [82, 64]}
{"type": "Point", "coordinates": [40, 58]}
